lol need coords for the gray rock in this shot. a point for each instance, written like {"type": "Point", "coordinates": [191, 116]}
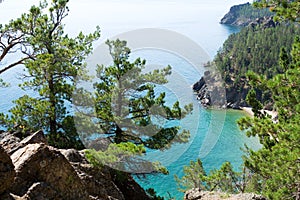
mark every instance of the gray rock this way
{"type": "Point", "coordinates": [43, 172]}
{"type": "Point", "coordinates": [7, 172]}
{"type": "Point", "coordinates": [10, 142]}
{"type": "Point", "coordinates": [99, 144]}
{"type": "Point", "coordinates": [98, 182]}
{"type": "Point", "coordinates": [72, 155]}
{"type": "Point", "coordinates": [41, 163]}
{"type": "Point", "coordinates": [231, 17]}
{"type": "Point", "coordinates": [193, 194]}
{"type": "Point", "coordinates": [37, 137]}
{"type": "Point", "coordinates": [42, 191]}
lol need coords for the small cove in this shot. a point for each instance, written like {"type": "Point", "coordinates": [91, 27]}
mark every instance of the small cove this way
{"type": "Point", "coordinates": [197, 20]}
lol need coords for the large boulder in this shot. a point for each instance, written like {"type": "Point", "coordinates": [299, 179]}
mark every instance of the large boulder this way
{"type": "Point", "coordinates": [98, 182]}
{"type": "Point", "coordinates": [10, 142]}
{"type": "Point", "coordinates": [35, 138]}
{"type": "Point", "coordinates": [104, 183]}
{"type": "Point", "coordinates": [7, 172]}
{"type": "Point", "coordinates": [42, 191]}
{"type": "Point", "coordinates": [35, 170]}
{"type": "Point", "coordinates": [129, 188]}
{"type": "Point", "coordinates": [36, 163]}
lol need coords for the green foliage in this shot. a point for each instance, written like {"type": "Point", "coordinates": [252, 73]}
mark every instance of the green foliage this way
{"type": "Point", "coordinates": [123, 157]}
{"type": "Point", "coordinates": [114, 154]}
{"type": "Point", "coordinates": [255, 49]}
{"type": "Point", "coordinates": [3, 84]}
{"type": "Point", "coordinates": [249, 13]}
{"type": "Point", "coordinates": [277, 162]}
{"type": "Point", "coordinates": [51, 71]}
{"type": "Point", "coordinates": [127, 107]}
{"type": "Point", "coordinates": [194, 177]}
{"type": "Point", "coordinates": [224, 179]}
{"type": "Point", "coordinates": [284, 9]}
{"type": "Point", "coordinates": [152, 193]}
{"type": "Point", "coordinates": [255, 104]}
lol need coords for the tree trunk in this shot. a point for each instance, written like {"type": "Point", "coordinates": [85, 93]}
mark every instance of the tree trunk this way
{"type": "Point", "coordinates": [119, 135]}
{"type": "Point", "coordinates": [52, 100]}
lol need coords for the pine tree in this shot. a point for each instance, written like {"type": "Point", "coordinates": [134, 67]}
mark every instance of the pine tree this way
{"type": "Point", "coordinates": [127, 107]}
{"type": "Point", "coordinates": [284, 9]}
{"type": "Point", "coordinates": [129, 113]}
{"type": "Point", "coordinates": [278, 163]}
{"type": "Point", "coordinates": [51, 73]}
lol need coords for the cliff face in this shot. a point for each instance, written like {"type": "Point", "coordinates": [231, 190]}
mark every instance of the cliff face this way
{"type": "Point", "coordinates": [245, 14]}
{"type": "Point", "coordinates": [233, 17]}
{"type": "Point", "coordinates": [213, 93]}
{"type": "Point", "coordinates": [30, 169]}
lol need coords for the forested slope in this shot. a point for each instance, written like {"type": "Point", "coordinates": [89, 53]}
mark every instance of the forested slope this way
{"type": "Point", "coordinates": [244, 14]}
{"type": "Point", "coordinates": [253, 48]}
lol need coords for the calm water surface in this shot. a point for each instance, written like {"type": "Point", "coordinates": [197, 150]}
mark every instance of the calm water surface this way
{"type": "Point", "coordinates": [215, 137]}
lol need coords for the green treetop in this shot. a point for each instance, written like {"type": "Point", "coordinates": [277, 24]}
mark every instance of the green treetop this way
{"type": "Point", "coordinates": [278, 162]}
{"type": "Point", "coordinates": [129, 112]}
{"type": "Point", "coordinates": [50, 72]}
{"type": "Point", "coordinates": [127, 107]}
{"type": "Point", "coordinates": [284, 9]}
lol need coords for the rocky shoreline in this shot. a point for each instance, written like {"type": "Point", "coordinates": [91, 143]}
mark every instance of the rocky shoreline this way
{"type": "Point", "coordinates": [30, 169]}
{"type": "Point", "coordinates": [231, 18]}
{"type": "Point", "coordinates": [234, 18]}
{"type": "Point", "coordinates": [211, 92]}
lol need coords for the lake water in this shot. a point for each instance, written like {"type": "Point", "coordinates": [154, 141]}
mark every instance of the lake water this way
{"type": "Point", "coordinates": [215, 137]}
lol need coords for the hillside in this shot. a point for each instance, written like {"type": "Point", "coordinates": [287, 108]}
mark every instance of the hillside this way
{"type": "Point", "coordinates": [245, 14]}
{"type": "Point", "coordinates": [253, 48]}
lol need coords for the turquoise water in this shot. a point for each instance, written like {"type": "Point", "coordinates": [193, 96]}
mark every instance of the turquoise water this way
{"type": "Point", "coordinates": [215, 137]}
{"type": "Point", "coordinates": [226, 149]}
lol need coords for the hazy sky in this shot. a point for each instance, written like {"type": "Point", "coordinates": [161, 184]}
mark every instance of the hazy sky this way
{"type": "Point", "coordinates": [116, 16]}
{"type": "Point", "coordinates": [12, 8]}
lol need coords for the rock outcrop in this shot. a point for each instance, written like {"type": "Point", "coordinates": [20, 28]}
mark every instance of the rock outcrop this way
{"type": "Point", "coordinates": [30, 170]}
{"type": "Point", "coordinates": [212, 92]}
{"type": "Point", "coordinates": [39, 163]}
{"type": "Point", "coordinates": [7, 172]}
{"type": "Point", "coordinates": [10, 141]}
{"type": "Point", "coordinates": [197, 194]}
{"type": "Point", "coordinates": [264, 22]}
{"type": "Point", "coordinates": [245, 15]}
{"type": "Point", "coordinates": [233, 18]}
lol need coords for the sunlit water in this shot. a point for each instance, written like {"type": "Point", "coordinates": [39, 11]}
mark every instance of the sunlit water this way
{"type": "Point", "coordinates": [215, 137]}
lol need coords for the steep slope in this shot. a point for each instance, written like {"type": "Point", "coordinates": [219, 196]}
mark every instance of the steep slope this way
{"type": "Point", "coordinates": [244, 14]}
{"type": "Point", "coordinates": [256, 48]}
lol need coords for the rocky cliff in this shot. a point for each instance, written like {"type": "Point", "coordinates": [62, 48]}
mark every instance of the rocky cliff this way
{"type": "Point", "coordinates": [213, 92]}
{"type": "Point", "coordinates": [31, 170]}
{"type": "Point", "coordinates": [233, 18]}
{"type": "Point", "coordinates": [244, 15]}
